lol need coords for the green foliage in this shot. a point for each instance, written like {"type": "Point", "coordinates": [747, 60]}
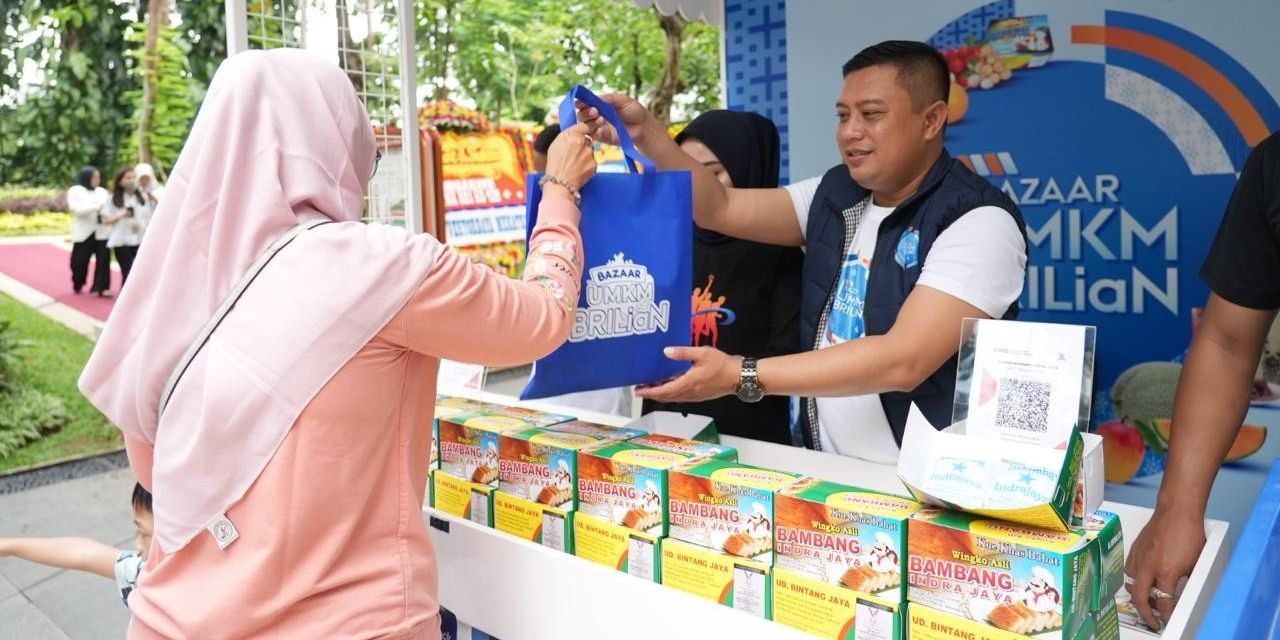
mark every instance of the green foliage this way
{"type": "Point", "coordinates": [52, 364]}
{"type": "Point", "coordinates": [174, 108]}
{"type": "Point", "coordinates": [77, 114]}
{"type": "Point", "coordinates": [11, 345]}
{"type": "Point", "coordinates": [516, 58]}
{"type": "Point", "coordinates": [40, 223]}
{"type": "Point", "coordinates": [274, 23]}
{"type": "Point", "coordinates": [22, 192]}
{"type": "Point", "coordinates": [204, 38]}
{"type": "Point", "coordinates": [26, 415]}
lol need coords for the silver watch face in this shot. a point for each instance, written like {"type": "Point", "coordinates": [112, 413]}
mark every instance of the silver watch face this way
{"type": "Point", "coordinates": [750, 392]}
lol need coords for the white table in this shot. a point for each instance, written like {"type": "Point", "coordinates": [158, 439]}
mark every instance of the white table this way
{"type": "Point", "coordinates": [518, 590]}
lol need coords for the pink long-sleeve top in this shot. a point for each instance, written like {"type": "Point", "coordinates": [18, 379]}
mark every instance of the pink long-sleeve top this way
{"type": "Point", "coordinates": [339, 548]}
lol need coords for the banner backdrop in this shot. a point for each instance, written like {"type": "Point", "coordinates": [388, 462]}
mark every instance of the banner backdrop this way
{"type": "Point", "coordinates": [484, 192]}
{"type": "Point", "coordinates": [1119, 129]}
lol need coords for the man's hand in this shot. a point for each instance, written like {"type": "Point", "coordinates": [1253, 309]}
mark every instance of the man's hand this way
{"type": "Point", "coordinates": [714, 374]}
{"type": "Point", "coordinates": [1164, 553]}
{"type": "Point", "coordinates": [1209, 405]}
{"type": "Point", "coordinates": [638, 121]}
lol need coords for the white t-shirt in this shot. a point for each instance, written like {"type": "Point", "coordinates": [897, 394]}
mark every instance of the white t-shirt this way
{"type": "Point", "coordinates": [980, 259]}
{"type": "Point", "coordinates": [128, 231]}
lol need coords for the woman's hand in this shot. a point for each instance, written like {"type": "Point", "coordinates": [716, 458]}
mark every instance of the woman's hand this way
{"type": "Point", "coordinates": [572, 156]}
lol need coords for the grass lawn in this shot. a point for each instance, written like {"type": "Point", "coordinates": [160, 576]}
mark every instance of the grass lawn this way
{"type": "Point", "coordinates": [52, 364]}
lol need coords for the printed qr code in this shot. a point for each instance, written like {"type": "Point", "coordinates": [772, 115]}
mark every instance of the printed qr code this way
{"type": "Point", "coordinates": [1023, 405]}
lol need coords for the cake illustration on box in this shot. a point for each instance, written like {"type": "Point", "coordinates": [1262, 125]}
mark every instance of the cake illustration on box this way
{"type": "Point", "coordinates": [844, 535]}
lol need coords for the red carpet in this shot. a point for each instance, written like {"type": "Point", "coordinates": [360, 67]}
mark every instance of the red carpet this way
{"type": "Point", "coordinates": [47, 269]}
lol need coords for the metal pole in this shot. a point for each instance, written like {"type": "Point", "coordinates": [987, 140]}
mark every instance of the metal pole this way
{"type": "Point", "coordinates": [409, 116]}
{"type": "Point", "coordinates": [724, 65]}
{"type": "Point", "coordinates": [237, 27]}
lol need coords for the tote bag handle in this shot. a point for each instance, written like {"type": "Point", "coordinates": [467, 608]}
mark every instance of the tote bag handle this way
{"type": "Point", "coordinates": [569, 114]}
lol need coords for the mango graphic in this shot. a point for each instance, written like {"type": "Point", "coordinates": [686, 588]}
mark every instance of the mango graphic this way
{"type": "Point", "coordinates": [1122, 450]}
{"type": "Point", "coordinates": [1248, 441]}
{"type": "Point", "coordinates": [1145, 391]}
{"type": "Point", "coordinates": [957, 103]}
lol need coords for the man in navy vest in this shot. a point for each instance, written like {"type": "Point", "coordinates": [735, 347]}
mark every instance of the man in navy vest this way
{"type": "Point", "coordinates": [902, 244]}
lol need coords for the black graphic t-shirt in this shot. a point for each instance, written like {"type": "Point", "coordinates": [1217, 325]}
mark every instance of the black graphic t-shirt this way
{"type": "Point", "coordinates": [746, 301]}
{"type": "Point", "coordinates": [1244, 260]}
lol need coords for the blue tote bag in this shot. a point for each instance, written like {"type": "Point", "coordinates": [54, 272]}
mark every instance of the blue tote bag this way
{"type": "Point", "coordinates": [637, 237]}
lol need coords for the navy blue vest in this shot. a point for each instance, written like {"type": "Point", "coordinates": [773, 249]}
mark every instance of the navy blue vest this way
{"type": "Point", "coordinates": [949, 191]}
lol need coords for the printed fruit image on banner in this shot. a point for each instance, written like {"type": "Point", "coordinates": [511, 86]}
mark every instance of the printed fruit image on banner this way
{"type": "Point", "coordinates": [1119, 136]}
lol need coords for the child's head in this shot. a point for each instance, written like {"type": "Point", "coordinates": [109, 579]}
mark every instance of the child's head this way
{"type": "Point", "coordinates": [143, 518]}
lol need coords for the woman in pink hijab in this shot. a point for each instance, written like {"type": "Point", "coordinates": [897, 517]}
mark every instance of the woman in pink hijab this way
{"type": "Point", "coordinates": [286, 445]}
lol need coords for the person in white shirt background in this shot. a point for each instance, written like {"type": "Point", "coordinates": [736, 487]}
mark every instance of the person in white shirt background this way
{"type": "Point", "coordinates": [148, 184]}
{"type": "Point", "coordinates": [88, 233]}
{"type": "Point", "coordinates": [127, 212]}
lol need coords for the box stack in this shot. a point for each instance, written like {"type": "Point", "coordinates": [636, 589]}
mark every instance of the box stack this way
{"type": "Point", "coordinates": [836, 547]}
{"type": "Point", "coordinates": [1013, 545]}
{"type": "Point", "coordinates": [622, 499]}
{"type": "Point", "coordinates": [465, 483]}
{"type": "Point", "coordinates": [721, 517]}
{"type": "Point", "coordinates": [538, 479]}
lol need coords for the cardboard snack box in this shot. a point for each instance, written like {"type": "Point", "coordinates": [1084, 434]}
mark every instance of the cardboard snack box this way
{"type": "Point", "coordinates": [716, 576]}
{"type": "Point", "coordinates": [626, 482]}
{"type": "Point", "coordinates": [1015, 578]}
{"type": "Point", "coordinates": [830, 611]}
{"type": "Point", "coordinates": [617, 547]}
{"type": "Point", "coordinates": [532, 521]}
{"type": "Point", "coordinates": [462, 498]}
{"type": "Point", "coordinates": [469, 441]}
{"type": "Point", "coordinates": [845, 536]}
{"type": "Point", "coordinates": [542, 464]}
{"type": "Point", "coordinates": [447, 406]}
{"type": "Point", "coordinates": [725, 505]}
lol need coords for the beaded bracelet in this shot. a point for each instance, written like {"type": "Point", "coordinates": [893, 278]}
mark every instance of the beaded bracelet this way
{"type": "Point", "coordinates": [573, 191]}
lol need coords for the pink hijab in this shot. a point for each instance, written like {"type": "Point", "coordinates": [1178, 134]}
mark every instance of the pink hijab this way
{"type": "Point", "coordinates": [281, 139]}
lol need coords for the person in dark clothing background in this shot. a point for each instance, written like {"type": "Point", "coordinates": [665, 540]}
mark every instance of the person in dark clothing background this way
{"type": "Point", "coordinates": [746, 296]}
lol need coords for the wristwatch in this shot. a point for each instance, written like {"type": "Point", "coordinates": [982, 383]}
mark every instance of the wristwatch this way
{"type": "Point", "coordinates": [749, 389]}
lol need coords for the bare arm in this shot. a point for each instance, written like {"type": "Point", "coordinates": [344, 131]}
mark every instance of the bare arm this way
{"type": "Point", "coordinates": [1210, 405]}
{"type": "Point", "coordinates": [1212, 400]}
{"type": "Point", "coordinates": [925, 335]}
{"type": "Point", "coordinates": [762, 215]}
{"type": "Point", "coordinates": [80, 554]}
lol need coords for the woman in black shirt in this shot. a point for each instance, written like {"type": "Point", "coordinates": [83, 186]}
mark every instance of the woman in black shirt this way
{"type": "Point", "coordinates": [746, 295]}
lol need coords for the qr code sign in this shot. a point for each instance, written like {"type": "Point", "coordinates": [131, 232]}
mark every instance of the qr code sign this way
{"type": "Point", "coordinates": [1023, 405]}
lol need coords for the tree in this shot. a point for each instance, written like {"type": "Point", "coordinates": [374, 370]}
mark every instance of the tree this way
{"type": "Point", "coordinates": [671, 83]}
{"type": "Point", "coordinates": [77, 112]}
{"type": "Point", "coordinates": [516, 57]}
{"type": "Point", "coordinates": [162, 119]}
{"type": "Point", "coordinates": [204, 34]}
{"type": "Point", "coordinates": [157, 20]}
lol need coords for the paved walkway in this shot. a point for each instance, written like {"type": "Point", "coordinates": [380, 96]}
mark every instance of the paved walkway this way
{"type": "Point", "coordinates": [40, 603]}
{"type": "Point", "coordinates": [36, 272]}
{"type": "Point", "coordinates": [37, 602]}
